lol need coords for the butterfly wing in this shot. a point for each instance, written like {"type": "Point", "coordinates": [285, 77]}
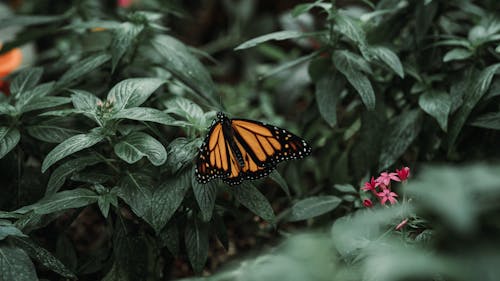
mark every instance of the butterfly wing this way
{"type": "Point", "coordinates": [262, 146]}
{"type": "Point", "coordinates": [213, 157]}
{"type": "Point", "coordinates": [245, 149]}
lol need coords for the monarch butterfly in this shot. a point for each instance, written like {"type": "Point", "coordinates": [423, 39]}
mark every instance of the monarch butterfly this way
{"type": "Point", "coordinates": [241, 149]}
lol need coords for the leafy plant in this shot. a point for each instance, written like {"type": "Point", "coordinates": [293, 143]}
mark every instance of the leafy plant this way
{"type": "Point", "coordinates": [100, 133]}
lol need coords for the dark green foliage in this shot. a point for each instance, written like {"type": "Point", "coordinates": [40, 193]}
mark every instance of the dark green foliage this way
{"type": "Point", "coordinates": [101, 130]}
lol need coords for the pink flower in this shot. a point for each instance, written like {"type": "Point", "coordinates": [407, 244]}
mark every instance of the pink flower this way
{"type": "Point", "coordinates": [401, 224]}
{"type": "Point", "coordinates": [387, 194]}
{"type": "Point", "coordinates": [369, 185]}
{"type": "Point", "coordinates": [385, 179]}
{"type": "Point", "coordinates": [404, 173]}
{"type": "Point", "coordinates": [367, 203]}
{"type": "Point", "coordinates": [124, 3]}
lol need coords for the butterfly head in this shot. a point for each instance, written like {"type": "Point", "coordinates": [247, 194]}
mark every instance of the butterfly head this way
{"type": "Point", "coordinates": [220, 115]}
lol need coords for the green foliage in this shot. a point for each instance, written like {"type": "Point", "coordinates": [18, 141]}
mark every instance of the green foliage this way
{"type": "Point", "coordinates": [365, 245]}
{"type": "Point", "coordinates": [107, 119]}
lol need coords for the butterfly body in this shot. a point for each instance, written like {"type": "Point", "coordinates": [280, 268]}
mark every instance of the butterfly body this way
{"type": "Point", "coordinates": [241, 149]}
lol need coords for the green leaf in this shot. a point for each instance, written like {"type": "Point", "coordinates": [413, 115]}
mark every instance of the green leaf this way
{"type": "Point", "coordinates": [20, 20]}
{"type": "Point", "coordinates": [277, 178]}
{"type": "Point", "coordinates": [15, 265]}
{"type": "Point", "coordinates": [313, 207]}
{"type": "Point", "coordinates": [81, 68]}
{"type": "Point", "coordinates": [388, 57]}
{"type": "Point", "coordinates": [356, 78]}
{"type": "Point", "coordinates": [7, 230]}
{"type": "Point", "coordinates": [145, 114]}
{"type": "Point", "coordinates": [25, 80]}
{"type": "Point", "coordinates": [437, 104]}
{"type": "Point", "coordinates": [50, 131]}
{"type": "Point", "coordinates": [184, 66]}
{"type": "Point", "coordinates": [61, 173]}
{"type": "Point", "coordinates": [30, 98]}
{"type": "Point", "coordinates": [249, 196]}
{"type": "Point", "coordinates": [304, 8]}
{"type": "Point", "coordinates": [349, 27]}
{"type": "Point", "coordinates": [105, 201]}
{"type": "Point", "coordinates": [131, 253]}
{"type": "Point", "coordinates": [7, 109]}
{"type": "Point", "coordinates": [155, 205]}
{"type": "Point", "coordinates": [457, 54]}
{"type": "Point", "coordinates": [196, 238]}
{"type": "Point", "coordinates": [471, 98]}
{"type": "Point", "coordinates": [9, 137]}
{"type": "Point", "coordinates": [68, 199]}
{"type": "Point", "coordinates": [186, 109]}
{"type": "Point", "coordinates": [84, 101]}
{"type": "Point", "coordinates": [288, 64]}
{"type": "Point", "coordinates": [279, 35]}
{"type": "Point", "coordinates": [133, 92]}
{"type": "Point", "coordinates": [205, 195]}
{"type": "Point", "coordinates": [488, 121]}
{"type": "Point", "coordinates": [70, 146]}
{"type": "Point", "coordinates": [345, 188]}
{"type": "Point", "coordinates": [44, 102]}
{"type": "Point", "coordinates": [328, 89]}
{"type": "Point", "coordinates": [43, 257]}
{"type": "Point", "coordinates": [181, 153]}
{"type": "Point", "coordinates": [169, 236]}
{"type": "Point", "coordinates": [403, 130]}
{"type": "Point", "coordinates": [123, 39]}
{"type": "Point", "coordinates": [137, 145]}
{"type": "Point", "coordinates": [424, 16]}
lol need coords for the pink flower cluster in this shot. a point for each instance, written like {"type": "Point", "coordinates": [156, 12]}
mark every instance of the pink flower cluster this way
{"type": "Point", "coordinates": [381, 186]}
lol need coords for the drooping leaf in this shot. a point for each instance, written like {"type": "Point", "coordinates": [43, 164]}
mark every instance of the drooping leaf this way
{"type": "Point", "coordinates": [196, 238]}
{"type": "Point", "coordinates": [181, 153]}
{"type": "Point", "coordinates": [205, 195]}
{"type": "Point", "coordinates": [328, 89]}
{"type": "Point", "coordinates": [44, 102]}
{"type": "Point", "coordinates": [81, 68]}
{"type": "Point", "coordinates": [51, 131]}
{"type": "Point", "coordinates": [277, 178]}
{"type": "Point", "coordinates": [25, 20]}
{"type": "Point", "coordinates": [471, 98]}
{"type": "Point", "coordinates": [15, 265]}
{"type": "Point", "coordinates": [131, 253]}
{"type": "Point", "coordinates": [389, 58]}
{"type": "Point", "coordinates": [61, 173]}
{"type": "Point", "coordinates": [401, 133]}
{"type": "Point", "coordinates": [137, 145]}
{"type": "Point", "coordinates": [25, 80]}
{"type": "Point", "coordinates": [155, 205]}
{"type": "Point", "coordinates": [349, 27]}
{"type": "Point", "coordinates": [123, 39]}
{"type": "Point", "coordinates": [9, 137]}
{"type": "Point", "coordinates": [313, 206]}
{"type": "Point", "coordinates": [249, 196]}
{"type": "Point", "coordinates": [488, 121]}
{"type": "Point", "coordinates": [457, 54]}
{"type": "Point", "coordinates": [437, 104]}
{"type": "Point", "coordinates": [279, 35]}
{"type": "Point", "coordinates": [169, 237]}
{"type": "Point", "coordinates": [184, 66]}
{"type": "Point", "coordinates": [355, 77]}
{"type": "Point", "coordinates": [186, 109]}
{"type": "Point", "coordinates": [70, 146]}
{"type": "Point", "coordinates": [68, 199]}
{"type": "Point", "coordinates": [145, 114]}
{"type": "Point", "coordinates": [7, 229]}
{"type": "Point", "coordinates": [133, 92]}
{"type": "Point", "coordinates": [43, 256]}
